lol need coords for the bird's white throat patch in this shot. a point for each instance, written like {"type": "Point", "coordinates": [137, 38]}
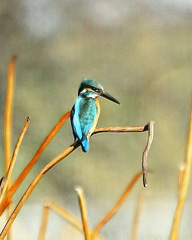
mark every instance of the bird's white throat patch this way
{"type": "Point", "coordinates": [89, 95]}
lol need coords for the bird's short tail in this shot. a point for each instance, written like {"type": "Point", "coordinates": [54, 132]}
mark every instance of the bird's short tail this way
{"type": "Point", "coordinates": [85, 145]}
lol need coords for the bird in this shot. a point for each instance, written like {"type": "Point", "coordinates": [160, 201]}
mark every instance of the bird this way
{"type": "Point", "coordinates": [86, 110]}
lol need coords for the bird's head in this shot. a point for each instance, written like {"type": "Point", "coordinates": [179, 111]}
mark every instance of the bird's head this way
{"type": "Point", "coordinates": [90, 88]}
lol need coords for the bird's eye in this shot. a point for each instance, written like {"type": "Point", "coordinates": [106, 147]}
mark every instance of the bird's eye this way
{"type": "Point", "coordinates": [96, 90]}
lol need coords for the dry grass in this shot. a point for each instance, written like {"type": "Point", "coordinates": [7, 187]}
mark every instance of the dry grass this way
{"type": "Point", "coordinates": [83, 225]}
{"type": "Point", "coordinates": [184, 184]}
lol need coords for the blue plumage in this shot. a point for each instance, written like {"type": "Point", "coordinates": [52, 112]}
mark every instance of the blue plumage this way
{"type": "Point", "coordinates": [86, 110]}
{"type": "Point", "coordinates": [83, 114]}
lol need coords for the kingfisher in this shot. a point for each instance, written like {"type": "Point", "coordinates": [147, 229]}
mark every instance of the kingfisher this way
{"type": "Point", "coordinates": [86, 110]}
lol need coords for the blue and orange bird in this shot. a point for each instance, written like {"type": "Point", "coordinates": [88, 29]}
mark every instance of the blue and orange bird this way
{"type": "Point", "coordinates": [86, 110]}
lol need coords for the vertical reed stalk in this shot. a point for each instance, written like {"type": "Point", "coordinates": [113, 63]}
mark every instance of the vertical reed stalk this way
{"type": "Point", "coordinates": [83, 213]}
{"type": "Point", "coordinates": [184, 186]}
{"type": "Point", "coordinates": [44, 223]}
{"type": "Point", "coordinates": [119, 203]}
{"type": "Point", "coordinates": [8, 124]}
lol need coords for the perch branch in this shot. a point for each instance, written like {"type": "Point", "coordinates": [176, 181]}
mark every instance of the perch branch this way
{"type": "Point", "coordinates": [116, 207]}
{"type": "Point", "coordinates": [149, 127]}
{"type": "Point", "coordinates": [121, 129]}
{"type": "Point", "coordinates": [83, 209]}
{"type": "Point", "coordinates": [54, 161]}
{"type": "Point", "coordinates": [23, 174]}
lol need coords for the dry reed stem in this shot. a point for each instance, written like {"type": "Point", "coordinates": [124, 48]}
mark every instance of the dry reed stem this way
{"type": "Point", "coordinates": [44, 223]}
{"type": "Point", "coordinates": [29, 166]}
{"type": "Point", "coordinates": [54, 161]}
{"type": "Point", "coordinates": [184, 186]}
{"type": "Point", "coordinates": [121, 129]}
{"type": "Point", "coordinates": [65, 214]}
{"type": "Point", "coordinates": [116, 207]}
{"type": "Point", "coordinates": [25, 196]}
{"type": "Point", "coordinates": [146, 152]}
{"type": "Point", "coordinates": [180, 177]}
{"type": "Point", "coordinates": [15, 153]}
{"type": "Point", "coordinates": [149, 127]}
{"type": "Point", "coordinates": [83, 209]}
{"type": "Point", "coordinates": [2, 183]}
{"type": "Point", "coordinates": [134, 231]}
{"type": "Point", "coordinates": [8, 111]}
{"type": "Point", "coordinates": [8, 124]}
{"type": "Point", "coordinates": [23, 174]}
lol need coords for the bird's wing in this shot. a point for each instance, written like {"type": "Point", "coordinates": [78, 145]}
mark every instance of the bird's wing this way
{"type": "Point", "coordinates": [87, 117]}
{"type": "Point", "coordinates": [75, 122]}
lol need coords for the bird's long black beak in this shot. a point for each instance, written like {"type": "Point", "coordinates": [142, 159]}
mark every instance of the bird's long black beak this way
{"type": "Point", "coordinates": [106, 95]}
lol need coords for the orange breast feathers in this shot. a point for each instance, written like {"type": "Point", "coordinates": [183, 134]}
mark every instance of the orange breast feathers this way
{"type": "Point", "coordinates": [96, 119]}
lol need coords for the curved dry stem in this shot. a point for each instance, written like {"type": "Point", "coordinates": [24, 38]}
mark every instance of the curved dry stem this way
{"type": "Point", "coordinates": [29, 166]}
{"type": "Point", "coordinates": [146, 152]}
{"type": "Point", "coordinates": [83, 209]}
{"type": "Point", "coordinates": [116, 207]}
{"type": "Point", "coordinates": [149, 127]}
{"type": "Point", "coordinates": [13, 159]}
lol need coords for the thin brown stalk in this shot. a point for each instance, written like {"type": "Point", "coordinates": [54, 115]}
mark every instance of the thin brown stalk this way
{"type": "Point", "coordinates": [184, 186]}
{"type": "Point", "coordinates": [116, 207]}
{"type": "Point", "coordinates": [149, 127]}
{"type": "Point", "coordinates": [146, 152]}
{"type": "Point", "coordinates": [8, 124]}
{"type": "Point", "coordinates": [29, 166]}
{"type": "Point", "coordinates": [65, 214]}
{"type": "Point", "coordinates": [54, 161]}
{"type": "Point", "coordinates": [44, 223]}
{"type": "Point", "coordinates": [134, 231]}
{"type": "Point", "coordinates": [121, 129]}
{"type": "Point", "coordinates": [13, 159]}
{"type": "Point", "coordinates": [83, 209]}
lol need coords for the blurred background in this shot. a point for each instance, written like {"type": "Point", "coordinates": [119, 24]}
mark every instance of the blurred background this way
{"type": "Point", "coordinates": [141, 52]}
